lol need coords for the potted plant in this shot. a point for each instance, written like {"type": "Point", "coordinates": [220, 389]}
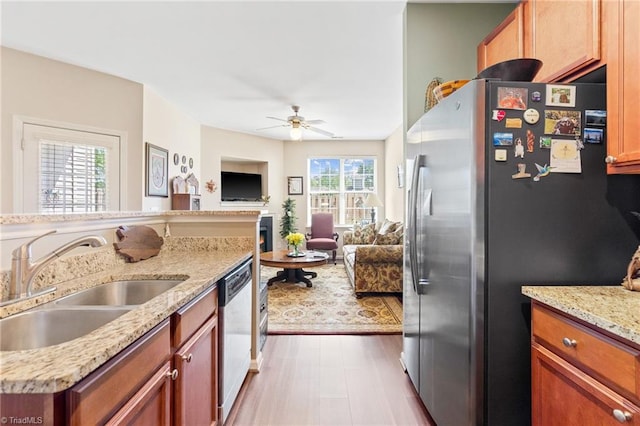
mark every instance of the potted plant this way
{"type": "Point", "coordinates": [288, 221]}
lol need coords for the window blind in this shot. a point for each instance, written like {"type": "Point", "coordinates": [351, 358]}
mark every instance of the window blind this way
{"type": "Point", "coordinates": [73, 177]}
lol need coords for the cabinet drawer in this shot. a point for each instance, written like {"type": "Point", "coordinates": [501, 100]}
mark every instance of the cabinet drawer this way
{"type": "Point", "coordinates": [96, 398]}
{"type": "Point", "coordinates": [190, 317]}
{"type": "Point", "coordinates": [564, 395]}
{"type": "Point", "coordinates": [608, 360]}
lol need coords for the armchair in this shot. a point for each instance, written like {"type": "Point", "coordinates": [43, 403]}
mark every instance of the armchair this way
{"type": "Point", "coordinates": [322, 235]}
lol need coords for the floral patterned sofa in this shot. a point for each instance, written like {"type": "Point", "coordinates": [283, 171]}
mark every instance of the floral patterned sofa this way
{"type": "Point", "coordinates": [372, 256]}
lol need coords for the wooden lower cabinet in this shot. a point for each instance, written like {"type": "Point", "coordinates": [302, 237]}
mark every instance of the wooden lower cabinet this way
{"type": "Point", "coordinates": [579, 374]}
{"type": "Point", "coordinates": [151, 405]}
{"type": "Point", "coordinates": [196, 387]}
{"type": "Point", "coordinates": [97, 398]}
{"type": "Point", "coordinates": [169, 376]}
{"type": "Point", "coordinates": [564, 395]}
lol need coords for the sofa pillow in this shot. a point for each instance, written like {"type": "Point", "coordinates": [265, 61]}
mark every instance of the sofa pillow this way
{"type": "Point", "coordinates": [390, 238]}
{"type": "Point", "coordinates": [364, 234]}
{"type": "Point", "coordinates": [387, 226]}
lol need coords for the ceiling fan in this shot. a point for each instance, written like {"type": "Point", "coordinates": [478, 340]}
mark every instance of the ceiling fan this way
{"type": "Point", "coordinates": [297, 123]}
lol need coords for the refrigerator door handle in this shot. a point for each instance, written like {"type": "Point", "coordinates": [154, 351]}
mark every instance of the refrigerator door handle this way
{"type": "Point", "coordinates": [419, 284]}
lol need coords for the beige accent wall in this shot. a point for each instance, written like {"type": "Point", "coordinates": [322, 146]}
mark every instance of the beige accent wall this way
{"type": "Point", "coordinates": [441, 41]}
{"type": "Point", "coordinates": [166, 126]}
{"type": "Point", "coordinates": [37, 87]}
{"type": "Point", "coordinates": [393, 194]}
{"type": "Point", "coordinates": [251, 152]}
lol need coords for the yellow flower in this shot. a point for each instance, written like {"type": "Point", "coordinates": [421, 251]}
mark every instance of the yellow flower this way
{"type": "Point", "coordinates": [295, 239]}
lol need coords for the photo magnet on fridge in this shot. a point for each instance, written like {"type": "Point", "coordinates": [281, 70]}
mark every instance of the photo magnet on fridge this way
{"type": "Point", "coordinates": [502, 139]}
{"type": "Point", "coordinates": [560, 122]}
{"type": "Point", "coordinates": [595, 118]}
{"type": "Point", "coordinates": [592, 135]}
{"type": "Point", "coordinates": [513, 98]}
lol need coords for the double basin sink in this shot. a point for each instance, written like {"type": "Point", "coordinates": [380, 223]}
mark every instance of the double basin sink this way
{"type": "Point", "coordinates": [78, 314]}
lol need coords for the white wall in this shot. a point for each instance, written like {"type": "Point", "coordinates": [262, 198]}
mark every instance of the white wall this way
{"type": "Point", "coordinates": [41, 88]}
{"type": "Point", "coordinates": [297, 154]}
{"type": "Point", "coordinates": [218, 144]}
{"type": "Point", "coordinates": [166, 126]}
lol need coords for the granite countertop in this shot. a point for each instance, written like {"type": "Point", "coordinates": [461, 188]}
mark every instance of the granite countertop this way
{"type": "Point", "coordinates": [614, 309]}
{"type": "Point", "coordinates": [55, 368]}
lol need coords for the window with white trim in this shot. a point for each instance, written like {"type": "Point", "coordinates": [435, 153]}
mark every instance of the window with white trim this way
{"type": "Point", "coordinates": [340, 186]}
{"type": "Point", "coordinates": [73, 171]}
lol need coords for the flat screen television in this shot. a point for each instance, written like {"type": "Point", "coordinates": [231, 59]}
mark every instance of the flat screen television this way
{"type": "Point", "coordinates": [236, 186]}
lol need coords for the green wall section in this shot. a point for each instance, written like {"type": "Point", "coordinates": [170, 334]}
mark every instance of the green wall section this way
{"type": "Point", "coordinates": [440, 41]}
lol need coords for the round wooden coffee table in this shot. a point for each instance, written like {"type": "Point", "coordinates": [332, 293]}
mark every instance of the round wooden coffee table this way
{"type": "Point", "coordinates": [292, 266]}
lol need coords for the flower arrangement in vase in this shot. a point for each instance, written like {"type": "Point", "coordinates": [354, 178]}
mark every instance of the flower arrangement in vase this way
{"type": "Point", "coordinates": [295, 239]}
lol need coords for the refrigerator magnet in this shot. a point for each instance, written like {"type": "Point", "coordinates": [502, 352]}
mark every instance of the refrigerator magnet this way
{"type": "Point", "coordinates": [531, 116]}
{"type": "Point", "coordinates": [542, 171]}
{"type": "Point", "coordinates": [592, 135]}
{"type": "Point", "coordinates": [502, 139]}
{"type": "Point", "coordinates": [545, 142]}
{"type": "Point", "coordinates": [498, 115]}
{"type": "Point", "coordinates": [512, 98]}
{"type": "Point", "coordinates": [522, 173]}
{"type": "Point", "coordinates": [519, 148]}
{"type": "Point", "coordinates": [565, 156]}
{"type": "Point", "coordinates": [500, 155]}
{"type": "Point", "coordinates": [513, 123]}
{"type": "Point", "coordinates": [561, 122]}
{"type": "Point", "coordinates": [530, 140]}
{"type": "Point", "coordinates": [536, 96]}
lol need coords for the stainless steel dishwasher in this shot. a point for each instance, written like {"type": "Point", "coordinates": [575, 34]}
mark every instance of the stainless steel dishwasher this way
{"type": "Point", "coordinates": [234, 335]}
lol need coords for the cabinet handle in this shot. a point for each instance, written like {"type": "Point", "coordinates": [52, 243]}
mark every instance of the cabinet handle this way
{"type": "Point", "coordinates": [570, 343]}
{"type": "Point", "coordinates": [622, 416]}
{"type": "Point", "coordinates": [610, 159]}
{"type": "Point", "coordinates": [173, 374]}
{"type": "Point", "coordinates": [187, 357]}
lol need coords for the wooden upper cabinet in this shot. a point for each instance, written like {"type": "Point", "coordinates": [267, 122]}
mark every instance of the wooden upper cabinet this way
{"type": "Point", "coordinates": [564, 35]}
{"type": "Point", "coordinates": [623, 87]}
{"type": "Point", "coordinates": [505, 42]}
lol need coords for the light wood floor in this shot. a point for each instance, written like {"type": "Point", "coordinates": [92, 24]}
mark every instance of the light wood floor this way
{"type": "Point", "coordinates": [329, 380]}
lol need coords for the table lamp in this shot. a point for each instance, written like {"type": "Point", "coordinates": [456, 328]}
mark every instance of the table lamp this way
{"type": "Point", "coordinates": [373, 201]}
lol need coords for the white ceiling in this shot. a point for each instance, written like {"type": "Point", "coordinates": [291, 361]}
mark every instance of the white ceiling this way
{"type": "Point", "coordinates": [230, 64]}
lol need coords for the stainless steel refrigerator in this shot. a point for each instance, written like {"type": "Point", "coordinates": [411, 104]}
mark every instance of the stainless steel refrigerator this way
{"type": "Point", "coordinates": [479, 226]}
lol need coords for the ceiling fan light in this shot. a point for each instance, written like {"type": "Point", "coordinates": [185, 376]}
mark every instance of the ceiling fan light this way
{"type": "Point", "coordinates": [295, 133]}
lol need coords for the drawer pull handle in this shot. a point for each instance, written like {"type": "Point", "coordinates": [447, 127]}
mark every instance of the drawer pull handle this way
{"type": "Point", "coordinates": [187, 358]}
{"type": "Point", "coordinates": [622, 416]}
{"type": "Point", "coordinates": [570, 343]}
{"type": "Point", "coordinates": [173, 374]}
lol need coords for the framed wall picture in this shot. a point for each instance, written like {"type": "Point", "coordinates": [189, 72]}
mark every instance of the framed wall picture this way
{"type": "Point", "coordinates": [294, 183]}
{"type": "Point", "coordinates": [157, 171]}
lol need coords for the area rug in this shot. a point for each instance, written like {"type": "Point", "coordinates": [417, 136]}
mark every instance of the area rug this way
{"type": "Point", "coordinates": [329, 306]}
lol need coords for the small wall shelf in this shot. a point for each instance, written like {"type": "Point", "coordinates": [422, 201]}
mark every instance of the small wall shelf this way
{"type": "Point", "coordinates": [185, 202]}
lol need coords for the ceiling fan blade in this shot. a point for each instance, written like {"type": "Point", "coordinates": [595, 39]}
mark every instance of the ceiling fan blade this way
{"type": "Point", "coordinates": [271, 127]}
{"type": "Point", "coordinates": [279, 119]}
{"type": "Point", "coordinates": [314, 121]}
{"type": "Point", "coordinates": [322, 132]}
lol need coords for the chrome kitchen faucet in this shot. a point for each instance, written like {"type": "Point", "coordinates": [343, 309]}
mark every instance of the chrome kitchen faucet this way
{"type": "Point", "coordinates": [24, 271]}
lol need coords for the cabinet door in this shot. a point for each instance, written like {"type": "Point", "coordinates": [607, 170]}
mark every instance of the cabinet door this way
{"type": "Point", "coordinates": [505, 42]}
{"type": "Point", "coordinates": [623, 90]}
{"type": "Point", "coordinates": [562, 395]}
{"type": "Point", "coordinates": [564, 35]}
{"type": "Point", "coordinates": [196, 387]}
{"type": "Point", "coordinates": [151, 405]}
